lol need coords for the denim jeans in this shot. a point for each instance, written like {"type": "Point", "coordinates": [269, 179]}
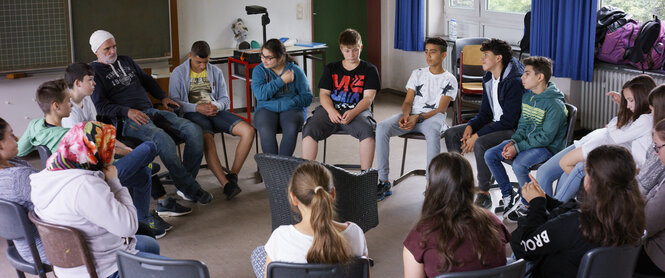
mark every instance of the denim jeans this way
{"type": "Point", "coordinates": [431, 128]}
{"type": "Point", "coordinates": [134, 174]}
{"type": "Point", "coordinates": [183, 173]}
{"type": "Point", "coordinates": [148, 248]}
{"type": "Point", "coordinates": [551, 171]}
{"type": "Point", "coordinates": [569, 184]}
{"type": "Point", "coordinates": [224, 121]}
{"type": "Point", "coordinates": [267, 123]}
{"type": "Point", "coordinates": [483, 143]}
{"type": "Point", "coordinates": [521, 164]}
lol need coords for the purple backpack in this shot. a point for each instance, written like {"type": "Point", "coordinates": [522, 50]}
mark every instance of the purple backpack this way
{"type": "Point", "coordinates": [617, 42]}
{"type": "Point", "coordinates": [647, 51]}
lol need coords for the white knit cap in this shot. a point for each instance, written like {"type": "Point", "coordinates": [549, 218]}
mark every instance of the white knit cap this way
{"type": "Point", "coordinates": [98, 38]}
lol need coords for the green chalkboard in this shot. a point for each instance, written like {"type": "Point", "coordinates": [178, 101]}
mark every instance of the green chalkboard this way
{"type": "Point", "coordinates": [141, 27]}
{"type": "Point", "coordinates": [34, 34]}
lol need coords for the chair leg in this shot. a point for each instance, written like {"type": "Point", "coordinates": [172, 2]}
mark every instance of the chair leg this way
{"type": "Point", "coordinates": [401, 172]}
{"type": "Point", "coordinates": [325, 147]}
{"type": "Point", "coordinates": [226, 157]}
{"type": "Point", "coordinates": [257, 175]}
{"type": "Point", "coordinates": [20, 274]}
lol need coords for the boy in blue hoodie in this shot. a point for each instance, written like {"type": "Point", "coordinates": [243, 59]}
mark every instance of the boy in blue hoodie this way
{"type": "Point", "coordinates": [498, 115]}
{"type": "Point", "coordinates": [541, 132]}
{"type": "Point", "coordinates": [200, 89]}
{"type": "Point", "coordinates": [346, 90]}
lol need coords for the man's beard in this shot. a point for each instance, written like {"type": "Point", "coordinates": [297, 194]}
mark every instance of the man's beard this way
{"type": "Point", "coordinates": [108, 59]}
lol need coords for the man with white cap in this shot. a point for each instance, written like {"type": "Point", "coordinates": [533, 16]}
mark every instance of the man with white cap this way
{"type": "Point", "coordinates": [122, 91]}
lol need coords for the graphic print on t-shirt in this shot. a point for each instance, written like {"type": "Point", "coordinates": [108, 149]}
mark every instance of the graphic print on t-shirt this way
{"type": "Point", "coordinates": [347, 92]}
{"type": "Point", "coordinates": [199, 88]}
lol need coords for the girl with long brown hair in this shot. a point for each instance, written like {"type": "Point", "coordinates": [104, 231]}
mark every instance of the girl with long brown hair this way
{"type": "Point", "coordinates": [555, 236]}
{"type": "Point", "coordinates": [453, 234]}
{"type": "Point", "coordinates": [317, 238]}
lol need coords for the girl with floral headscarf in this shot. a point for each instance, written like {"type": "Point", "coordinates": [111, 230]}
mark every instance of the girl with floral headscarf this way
{"type": "Point", "coordinates": [80, 188]}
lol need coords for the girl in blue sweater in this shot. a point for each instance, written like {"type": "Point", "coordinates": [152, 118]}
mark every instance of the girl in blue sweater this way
{"type": "Point", "coordinates": [282, 93]}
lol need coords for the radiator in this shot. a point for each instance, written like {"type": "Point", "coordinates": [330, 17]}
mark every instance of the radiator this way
{"type": "Point", "coordinates": [597, 109]}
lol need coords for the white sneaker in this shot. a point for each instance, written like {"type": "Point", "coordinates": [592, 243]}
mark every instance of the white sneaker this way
{"type": "Point", "coordinates": [183, 196]}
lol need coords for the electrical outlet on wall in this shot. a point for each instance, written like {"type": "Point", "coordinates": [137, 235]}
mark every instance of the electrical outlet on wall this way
{"type": "Point", "coordinates": [299, 11]}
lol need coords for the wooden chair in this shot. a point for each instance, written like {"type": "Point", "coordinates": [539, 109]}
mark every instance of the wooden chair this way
{"type": "Point", "coordinates": [65, 247]}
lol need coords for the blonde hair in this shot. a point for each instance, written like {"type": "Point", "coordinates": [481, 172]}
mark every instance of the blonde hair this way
{"type": "Point", "coordinates": [311, 184]}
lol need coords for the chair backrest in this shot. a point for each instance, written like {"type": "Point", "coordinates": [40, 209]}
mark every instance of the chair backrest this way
{"type": "Point", "coordinates": [359, 268]}
{"type": "Point", "coordinates": [616, 262]}
{"type": "Point", "coordinates": [471, 68]}
{"type": "Point", "coordinates": [130, 266]}
{"type": "Point", "coordinates": [65, 247]}
{"type": "Point", "coordinates": [572, 118]}
{"type": "Point", "coordinates": [356, 192]}
{"type": "Point", "coordinates": [14, 224]}
{"type": "Point", "coordinates": [459, 45]}
{"type": "Point", "coordinates": [44, 154]}
{"type": "Point", "coordinates": [513, 270]}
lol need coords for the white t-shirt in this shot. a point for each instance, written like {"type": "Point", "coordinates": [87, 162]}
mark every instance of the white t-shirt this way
{"type": "Point", "coordinates": [287, 244]}
{"type": "Point", "coordinates": [80, 114]}
{"type": "Point", "coordinates": [496, 106]}
{"type": "Point", "coordinates": [429, 89]}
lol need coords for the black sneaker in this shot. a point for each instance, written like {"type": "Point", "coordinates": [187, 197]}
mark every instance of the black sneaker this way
{"type": "Point", "coordinates": [483, 200]}
{"type": "Point", "coordinates": [157, 226]}
{"type": "Point", "coordinates": [383, 190]}
{"type": "Point", "coordinates": [233, 178]}
{"type": "Point", "coordinates": [202, 196]}
{"type": "Point", "coordinates": [520, 211]}
{"type": "Point", "coordinates": [231, 189]}
{"type": "Point", "coordinates": [172, 208]}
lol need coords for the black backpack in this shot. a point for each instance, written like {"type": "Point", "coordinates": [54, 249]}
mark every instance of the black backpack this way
{"type": "Point", "coordinates": [648, 44]}
{"type": "Point", "coordinates": [524, 43]}
{"type": "Point", "coordinates": [609, 19]}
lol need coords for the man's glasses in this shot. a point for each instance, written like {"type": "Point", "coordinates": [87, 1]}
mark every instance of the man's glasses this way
{"type": "Point", "coordinates": [657, 148]}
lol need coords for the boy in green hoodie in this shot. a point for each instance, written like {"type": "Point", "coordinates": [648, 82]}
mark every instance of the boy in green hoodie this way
{"type": "Point", "coordinates": [541, 132]}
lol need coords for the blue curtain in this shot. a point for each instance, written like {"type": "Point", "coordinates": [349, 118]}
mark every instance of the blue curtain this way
{"type": "Point", "coordinates": [565, 31]}
{"type": "Point", "coordinates": [410, 25]}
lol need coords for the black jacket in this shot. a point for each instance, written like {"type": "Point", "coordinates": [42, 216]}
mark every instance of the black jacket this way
{"type": "Point", "coordinates": [510, 98]}
{"type": "Point", "coordinates": [550, 237]}
{"type": "Point", "coordinates": [123, 88]}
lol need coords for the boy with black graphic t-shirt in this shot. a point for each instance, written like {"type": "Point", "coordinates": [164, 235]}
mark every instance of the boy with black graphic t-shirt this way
{"type": "Point", "coordinates": [346, 89]}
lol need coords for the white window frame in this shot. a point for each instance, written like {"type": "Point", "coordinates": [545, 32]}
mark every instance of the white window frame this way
{"type": "Point", "coordinates": [483, 17]}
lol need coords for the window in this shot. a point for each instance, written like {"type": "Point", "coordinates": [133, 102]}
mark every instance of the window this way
{"type": "Point", "coordinates": [642, 10]}
{"type": "Point", "coordinates": [509, 6]}
{"type": "Point", "coordinates": [480, 18]}
{"type": "Point", "coordinates": [462, 4]}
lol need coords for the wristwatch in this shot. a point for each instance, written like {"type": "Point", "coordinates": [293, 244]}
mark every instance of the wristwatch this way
{"type": "Point", "coordinates": [420, 118]}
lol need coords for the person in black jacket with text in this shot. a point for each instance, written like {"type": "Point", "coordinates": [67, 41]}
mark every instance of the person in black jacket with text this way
{"type": "Point", "coordinates": [554, 236]}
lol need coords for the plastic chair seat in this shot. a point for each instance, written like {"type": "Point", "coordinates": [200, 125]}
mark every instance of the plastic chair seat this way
{"type": "Point", "coordinates": [472, 87]}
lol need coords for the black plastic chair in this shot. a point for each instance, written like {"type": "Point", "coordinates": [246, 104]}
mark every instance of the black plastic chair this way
{"type": "Point", "coordinates": [355, 198]}
{"type": "Point", "coordinates": [342, 132]}
{"type": "Point", "coordinates": [513, 270]}
{"type": "Point", "coordinates": [415, 172]}
{"type": "Point", "coordinates": [468, 102]}
{"type": "Point", "coordinates": [357, 269]}
{"type": "Point", "coordinates": [616, 262]}
{"type": "Point", "coordinates": [14, 225]}
{"type": "Point", "coordinates": [44, 154]}
{"type": "Point", "coordinates": [130, 266]}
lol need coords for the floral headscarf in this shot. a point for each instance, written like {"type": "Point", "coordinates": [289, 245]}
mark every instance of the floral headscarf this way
{"type": "Point", "coordinates": [87, 145]}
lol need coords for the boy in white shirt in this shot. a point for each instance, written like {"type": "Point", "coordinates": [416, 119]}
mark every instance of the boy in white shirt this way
{"type": "Point", "coordinates": [429, 91]}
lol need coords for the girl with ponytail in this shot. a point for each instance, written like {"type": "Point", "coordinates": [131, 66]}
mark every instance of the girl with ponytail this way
{"type": "Point", "coordinates": [317, 238]}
